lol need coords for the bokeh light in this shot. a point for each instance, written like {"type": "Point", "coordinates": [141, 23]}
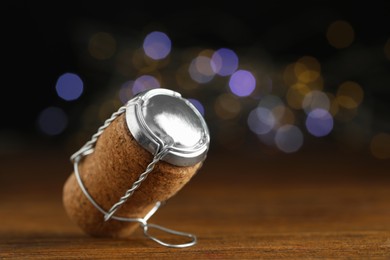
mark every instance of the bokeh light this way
{"type": "Point", "coordinates": [200, 69]}
{"type": "Point", "coordinates": [242, 83]}
{"type": "Point", "coordinates": [157, 45]}
{"type": "Point", "coordinates": [102, 46]}
{"type": "Point", "coordinates": [198, 105]}
{"type": "Point", "coordinates": [307, 69]}
{"type": "Point", "coordinates": [283, 115]}
{"type": "Point", "coordinates": [380, 146]}
{"type": "Point", "coordinates": [224, 62]}
{"type": "Point", "coordinates": [289, 138]}
{"type": "Point", "coordinates": [227, 106]}
{"type": "Point", "coordinates": [340, 34]}
{"type": "Point", "coordinates": [315, 99]}
{"type": "Point", "coordinates": [261, 120]}
{"type": "Point", "coordinates": [145, 82]}
{"type": "Point", "coordinates": [52, 121]}
{"type": "Point", "coordinates": [69, 86]}
{"type": "Point", "coordinates": [319, 122]}
{"type": "Point", "coordinates": [296, 94]}
{"type": "Point", "coordinates": [350, 95]}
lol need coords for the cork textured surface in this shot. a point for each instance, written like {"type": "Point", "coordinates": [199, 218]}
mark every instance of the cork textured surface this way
{"type": "Point", "coordinates": [109, 171]}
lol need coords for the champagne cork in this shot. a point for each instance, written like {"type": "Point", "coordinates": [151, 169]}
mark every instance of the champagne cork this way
{"type": "Point", "coordinates": [157, 129]}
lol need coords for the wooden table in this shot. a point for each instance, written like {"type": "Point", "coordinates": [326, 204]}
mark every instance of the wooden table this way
{"type": "Point", "coordinates": [241, 205]}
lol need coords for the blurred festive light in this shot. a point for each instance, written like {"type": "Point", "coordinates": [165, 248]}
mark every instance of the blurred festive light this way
{"type": "Point", "coordinates": [200, 69]}
{"type": "Point", "coordinates": [261, 120]}
{"type": "Point", "coordinates": [224, 62]}
{"type": "Point", "coordinates": [283, 115]}
{"type": "Point", "coordinates": [125, 92]}
{"type": "Point", "coordinates": [145, 82]}
{"type": "Point", "coordinates": [319, 122]}
{"type": "Point", "coordinates": [289, 138]}
{"type": "Point", "coordinates": [157, 45]}
{"type": "Point", "coordinates": [386, 49]}
{"type": "Point", "coordinates": [69, 86]}
{"type": "Point", "coordinates": [307, 69]}
{"type": "Point", "coordinates": [350, 95]}
{"type": "Point", "coordinates": [227, 106]}
{"type": "Point", "coordinates": [278, 112]}
{"type": "Point", "coordinates": [198, 105]}
{"type": "Point", "coordinates": [340, 34]}
{"type": "Point", "coordinates": [296, 94]}
{"type": "Point", "coordinates": [52, 121]}
{"type": "Point", "coordinates": [102, 46]}
{"type": "Point", "coordinates": [276, 106]}
{"type": "Point", "coordinates": [380, 146]}
{"type": "Point", "coordinates": [242, 83]}
{"type": "Point", "coordinates": [303, 79]}
{"type": "Point", "coordinates": [203, 66]}
{"type": "Point", "coordinates": [315, 99]}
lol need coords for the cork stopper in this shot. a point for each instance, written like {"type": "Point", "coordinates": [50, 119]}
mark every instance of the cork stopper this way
{"type": "Point", "coordinates": [118, 160]}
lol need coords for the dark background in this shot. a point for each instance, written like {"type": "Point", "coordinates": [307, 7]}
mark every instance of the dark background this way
{"type": "Point", "coordinates": [42, 41]}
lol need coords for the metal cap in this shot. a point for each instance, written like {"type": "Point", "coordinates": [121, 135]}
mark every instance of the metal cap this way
{"type": "Point", "coordinates": [161, 117]}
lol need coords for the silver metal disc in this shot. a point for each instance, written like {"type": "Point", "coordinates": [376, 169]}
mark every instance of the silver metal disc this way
{"type": "Point", "coordinates": [161, 117]}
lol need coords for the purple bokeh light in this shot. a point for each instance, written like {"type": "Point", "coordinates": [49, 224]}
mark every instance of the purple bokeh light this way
{"type": "Point", "coordinates": [319, 122]}
{"type": "Point", "coordinates": [242, 83]}
{"type": "Point", "coordinates": [157, 45]}
{"type": "Point", "coordinates": [224, 62]}
{"type": "Point", "coordinates": [69, 86]}
{"type": "Point", "coordinates": [143, 83]}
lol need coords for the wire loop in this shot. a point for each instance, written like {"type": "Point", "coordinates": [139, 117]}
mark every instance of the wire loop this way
{"type": "Point", "coordinates": [88, 148]}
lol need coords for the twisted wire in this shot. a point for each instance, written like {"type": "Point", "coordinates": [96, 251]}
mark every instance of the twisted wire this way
{"type": "Point", "coordinates": [88, 148]}
{"type": "Point", "coordinates": [137, 183]}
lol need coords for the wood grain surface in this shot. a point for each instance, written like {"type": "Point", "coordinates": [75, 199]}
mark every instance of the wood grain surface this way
{"type": "Point", "coordinates": [241, 206]}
